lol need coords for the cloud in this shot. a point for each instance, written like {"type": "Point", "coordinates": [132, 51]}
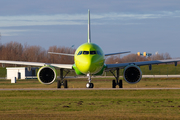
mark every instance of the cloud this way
{"type": "Point", "coordinates": [11, 32]}
{"type": "Point", "coordinates": [34, 20]}
{"type": "Point", "coordinates": [78, 19]}
{"type": "Point", "coordinates": [7, 22]}
{"type": "Point", "coordinates": [125, 16]}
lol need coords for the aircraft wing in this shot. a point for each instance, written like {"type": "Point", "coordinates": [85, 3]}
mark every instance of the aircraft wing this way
{"type": "Point", "coordinates": [66, 66]}
{"type": "Point", "coordinates": [117, 53]}
{"type": "Point", "coordinates": [122, 65]}
{"type": "Point", "coordinates": [61, 54]}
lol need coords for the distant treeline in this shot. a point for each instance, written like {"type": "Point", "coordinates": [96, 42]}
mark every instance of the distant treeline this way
{"type": "Point", "coordinates": [17, 52]}
{"type": "Point", "coordinates": [136, 58]}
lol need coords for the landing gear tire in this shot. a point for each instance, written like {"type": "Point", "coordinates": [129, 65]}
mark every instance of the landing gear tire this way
{"type": "Point", "coordinates": [113, 84]}
{"type": "Point", "coordinates": [65, 84]}
{"type": "Point", "coordinates": [58, 84]}
{"type": "Point", "coordinates": [120, 84]}
{"type": "Point", "coordinates": [89, 85]}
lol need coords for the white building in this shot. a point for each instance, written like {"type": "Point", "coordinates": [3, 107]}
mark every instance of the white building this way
{"type": "Point", "coordinates": [21, 72]}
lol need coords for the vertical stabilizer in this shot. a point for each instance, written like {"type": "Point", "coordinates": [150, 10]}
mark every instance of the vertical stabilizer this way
{"type": "Point", "coordinates": [89, 30]}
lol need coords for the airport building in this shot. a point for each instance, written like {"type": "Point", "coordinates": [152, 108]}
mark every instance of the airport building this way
{"type": "Point", "coordinates": [21, 72]}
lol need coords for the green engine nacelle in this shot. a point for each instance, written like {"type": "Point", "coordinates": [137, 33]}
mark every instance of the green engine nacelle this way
{"type": "Point", "coordinates": [46, 74]}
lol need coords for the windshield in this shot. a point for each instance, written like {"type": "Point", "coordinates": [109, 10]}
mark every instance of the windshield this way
{"type": "Point", "coordinates": [91, 53]}
{"type": "Point", "coordinates": [85, 52]}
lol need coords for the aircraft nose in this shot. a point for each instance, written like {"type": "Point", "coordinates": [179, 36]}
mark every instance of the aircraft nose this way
{"type": "Point", "coordinates": [89, 65]}
{"type": "Point", "coordinates": [86, 65]}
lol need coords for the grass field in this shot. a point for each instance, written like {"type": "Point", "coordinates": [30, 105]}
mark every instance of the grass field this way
{"type": "Point", "coordinates": [98, 83]}
{"type": "Point", "coordinates": [91, 104]}
{"type": "Point", "coordinates": [96, 104]}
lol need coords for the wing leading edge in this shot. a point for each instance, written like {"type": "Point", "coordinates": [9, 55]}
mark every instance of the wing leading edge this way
{"type": "Point", "coordinates": [61, 53]}
{"type": "Point", "coordinates": [122, 65]}
{"type": "Point", "coordinates": [117, 53]}
{"type": "Point", "coordinates": [66, 66]}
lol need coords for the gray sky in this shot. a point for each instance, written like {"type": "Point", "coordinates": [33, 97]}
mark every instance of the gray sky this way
{"type": "Point", "coordinates": [118, 25]}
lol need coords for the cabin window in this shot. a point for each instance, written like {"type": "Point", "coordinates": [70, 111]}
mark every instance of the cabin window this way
{"type": "Point", "coordinates": [85, 52]}
{"type": "Point", "coordinates": [92, 52]}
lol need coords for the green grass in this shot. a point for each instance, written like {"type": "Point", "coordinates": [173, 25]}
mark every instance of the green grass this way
{"type": "Point", "coordinates": [98, 83]}
{"type": "Point", "coordinates": [163, 69]}
{"type": "Point", "coordinates": [91, 104]}
{"type": "Point", "coordinates": [96, 104]}
{"type": "Point", "coordinates": [2, 72]}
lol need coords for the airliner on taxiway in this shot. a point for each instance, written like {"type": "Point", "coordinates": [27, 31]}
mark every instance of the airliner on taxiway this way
{"type": "Point", "coordinates": [89, 60]}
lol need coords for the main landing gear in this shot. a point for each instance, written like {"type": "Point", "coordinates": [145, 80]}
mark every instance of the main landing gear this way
{"type": "Point", "coordinates": [117, 81]}
{"type": "Point", "coordinates": [62, 81]}
{"type": "Point", "coordinates": [89, 84]}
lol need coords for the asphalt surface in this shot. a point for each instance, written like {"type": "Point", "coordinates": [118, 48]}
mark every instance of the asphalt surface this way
{"type": "Point", "coordinates": [29, 89]}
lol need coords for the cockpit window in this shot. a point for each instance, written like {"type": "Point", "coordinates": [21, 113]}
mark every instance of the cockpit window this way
{"type": "Point", "coordinates": [85, 52]}
{"type": "Point", "coordinates": [92, 52]}
{"type": "Point", "coordinates": [80, 52]}
{"type": "Point", "coordinates": [99, 53]}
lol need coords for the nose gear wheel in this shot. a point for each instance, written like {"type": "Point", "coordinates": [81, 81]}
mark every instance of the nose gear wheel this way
{"type": "Point", "coordinates": [89, 85]}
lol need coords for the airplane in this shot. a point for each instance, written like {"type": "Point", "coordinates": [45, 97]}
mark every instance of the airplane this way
{"type": "Point", "coordinates": [90, 60]}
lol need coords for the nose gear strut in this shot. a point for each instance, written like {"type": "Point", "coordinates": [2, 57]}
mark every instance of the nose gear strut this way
{"type": "Point", "coordinates": [89, 84]}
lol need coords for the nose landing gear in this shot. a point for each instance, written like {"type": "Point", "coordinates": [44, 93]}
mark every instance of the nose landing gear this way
{"type": "Point", "coordinates": [89, 84]}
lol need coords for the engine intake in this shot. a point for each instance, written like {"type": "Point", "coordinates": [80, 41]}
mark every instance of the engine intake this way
{"type": "Point", "coordinates": [46, 75]}
{"type": "Point", "coordinates": [132, 74]}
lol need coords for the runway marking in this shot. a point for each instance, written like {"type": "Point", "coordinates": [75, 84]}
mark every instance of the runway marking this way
{"type": "Point", "coordinates": [19, 89]}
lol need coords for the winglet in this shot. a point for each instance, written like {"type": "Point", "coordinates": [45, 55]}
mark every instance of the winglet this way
{"type": "Point", "coordinates": [89, 31]}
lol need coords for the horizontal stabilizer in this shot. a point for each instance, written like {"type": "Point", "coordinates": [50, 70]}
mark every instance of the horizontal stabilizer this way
{"type": "Point", "coordinates": [117, 53]}
{"type": "Point", "coordinates": [61, 53]}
